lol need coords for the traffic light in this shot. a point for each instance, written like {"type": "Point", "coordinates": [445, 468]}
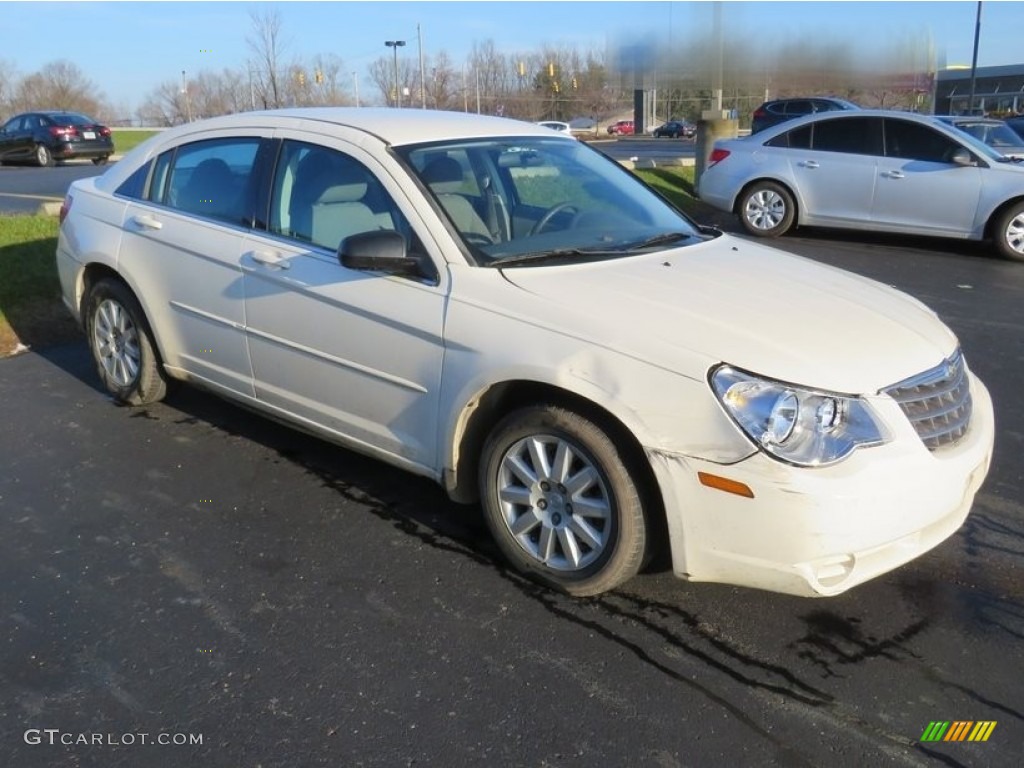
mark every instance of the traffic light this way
{"type": "Point", "coordinates": [575, 85]}
{"type": "Point", "coordinates": [319, 77]}
{"type": "Point", "coordinates": [302, 78]}
{"type": "Point", "coordinates": [522, 69]}
{"type": "Point", "coordinates": [556, 87]}
{"type": "Point", "coordinates": [551, 69]}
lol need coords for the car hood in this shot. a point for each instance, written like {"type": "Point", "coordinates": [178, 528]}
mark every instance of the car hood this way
{"type": "Point", "coordinates": [754, 307]}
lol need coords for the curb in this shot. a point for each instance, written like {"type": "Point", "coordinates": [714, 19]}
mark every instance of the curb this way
{"type": "Point", "coordinates": [673, 162]}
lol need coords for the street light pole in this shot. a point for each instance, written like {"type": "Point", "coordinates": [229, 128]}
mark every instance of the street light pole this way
{"type": "Point", "coordinates": [355, 81]}
{"type": "Point", "coordinates": [396, 44]}
{"type": "Point", "coordinates": [974, 61]}
{"type": "Point", "coordinates": [423, 85]}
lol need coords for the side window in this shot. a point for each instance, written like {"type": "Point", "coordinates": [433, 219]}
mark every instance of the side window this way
{"type": "Point", "coordinates": [158, 184]}
{"type": "Point", "coordinates": [135, 185]}
{"type": "Point", "coordinates": [913, 141]}
{"type": "Point", "coordinates": [799, 107]}
{"type": "Point", "coordinates": [321, 196]}
{"type": "Point", "coordinates": [14, 125]}
{"type": "Point", "coordinates": [797, 139]}
{"type": "Point", "coordinates": [211, 178]}
{"type": "Point", "coordinates": [854, 135]}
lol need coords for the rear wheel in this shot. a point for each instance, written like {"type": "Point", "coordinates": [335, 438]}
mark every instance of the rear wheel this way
{"type": "Point", "coordinates": [1009, 233]}
{"type": "Point", "coordinates": [766, 209]}
{"type": "Point", "coordinates": [122, 345]}
{"type": "Point", "coordinates": [100, 160]}
{"type": "Point", "coordinates": [44, 158]}
{"type": "Point", "coordinates": [560, 501]}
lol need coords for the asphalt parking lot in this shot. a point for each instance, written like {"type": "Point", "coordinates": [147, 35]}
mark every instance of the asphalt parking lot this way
{"type": "Point", "coordinates": [191, 569]}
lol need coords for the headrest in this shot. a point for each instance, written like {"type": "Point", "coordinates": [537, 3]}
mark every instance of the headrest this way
{"type": "Point", "coordinates": [343, 193]}
{"type": "Point", "coordinates": [443, 175]}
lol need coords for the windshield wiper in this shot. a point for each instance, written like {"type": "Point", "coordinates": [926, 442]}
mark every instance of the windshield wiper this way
{"type": "Point", "coordinates": [539, 257]}
{"type": "Point", "coordinates": [662, 239]}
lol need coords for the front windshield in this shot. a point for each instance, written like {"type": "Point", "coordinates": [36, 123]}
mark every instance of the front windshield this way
{"type": "Point", "coordinates": [519, 200]}
{"type": "Point", "coordinates": [993, 134]}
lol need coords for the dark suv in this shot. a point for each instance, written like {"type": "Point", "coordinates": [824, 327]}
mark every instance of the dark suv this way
{"type": "Point", "coordinates": [45, 137]}
{"type": "Point", "coordinates": [779, 111]}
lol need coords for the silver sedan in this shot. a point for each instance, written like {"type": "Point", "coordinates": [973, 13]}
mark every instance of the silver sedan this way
{"type": "Point", "coordinates": [869, 170]}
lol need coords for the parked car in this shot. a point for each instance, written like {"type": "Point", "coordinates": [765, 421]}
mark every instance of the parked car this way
{"type": "Point", "coordinates": [555, 125]}
{"type": "Point", "coordinates": [1017, 124]}
{"type": "Point", "coordinates": [869, 170]}
{"type": "Point", "coordinates": [506, 312]}
{"type": "Point", "coordinates": [47, 137]}
{"type": "Point", "coordinates": [996, 133]}
{"type": "Point", "coordinates": [621, 128]}
{"type": "Point", "coordinates": [780, 110]}
{"type": "Point", "coordinates": [676, 129]}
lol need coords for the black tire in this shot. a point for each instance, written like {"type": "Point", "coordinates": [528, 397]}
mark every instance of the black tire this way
{"type": "Point", "coordinates": [1008, 234]}
{"type": "Point", "coordinates": [44, 158]}
{"type": "Point", "coordinates": [583, 551]}
{"type": "Point", "coordinates": [766, 209]}
{"type": "Point", "coordinates": [100, 160]}
{"type": "Point", "coordinates": [115, 337]}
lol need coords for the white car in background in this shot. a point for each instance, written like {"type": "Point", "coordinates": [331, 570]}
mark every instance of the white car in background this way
{"type": "Point", "coordinates": [869, 170]}
{"type": "Point", "coordinates": [555, 125]}
{"type": "Point", "coordinates": [507, 312]}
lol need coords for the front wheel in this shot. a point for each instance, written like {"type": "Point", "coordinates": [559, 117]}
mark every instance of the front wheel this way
{"type": "Point", "coordinates": [560, 501]}
{"type": "Point", "coordinates": [767, 209]}
{"type": "Point", "coordinates": [44, 158]}
{"type": "Point", "coordinates": [1009, 233]}
{"type": "Point", "coordinates": [122, 345]}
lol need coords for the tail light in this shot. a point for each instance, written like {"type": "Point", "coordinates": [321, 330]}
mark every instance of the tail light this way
{"type": "Point", "coordinates": [759, 112]}
{"type": "Point", "coordinates": [717, 156]}
{"type": "Point", "coordinates": [66, 131]}
{"type": "Point", "coordinates": [65, 207]}
{"type": "Point", "coordinates": [104, 131]}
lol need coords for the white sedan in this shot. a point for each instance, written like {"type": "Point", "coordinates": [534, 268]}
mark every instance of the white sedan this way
{"type": "Point", "coordinates": [501, 309]}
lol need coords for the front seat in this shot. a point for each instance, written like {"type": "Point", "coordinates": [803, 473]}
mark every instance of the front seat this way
{"type": "Point", "coordinates": [210, 190]}
{"type": "Point", "coordinates": [340, 211]}
{"type": "Point", "coordinates": [444, 177]}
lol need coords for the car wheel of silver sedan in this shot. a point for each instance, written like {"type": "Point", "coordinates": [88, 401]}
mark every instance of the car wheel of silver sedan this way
{"type": "Point", "coordinates": [560, 501]}
{"type": "Point", "coordinates": [122, 345]}
{"type": "Point", "coordinates": [766, 209]}
{"type": "Point", "coordinates": [1009, 232]}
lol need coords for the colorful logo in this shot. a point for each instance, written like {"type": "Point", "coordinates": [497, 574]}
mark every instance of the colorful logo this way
{"type": "Point", "coordinates": [958, 730]}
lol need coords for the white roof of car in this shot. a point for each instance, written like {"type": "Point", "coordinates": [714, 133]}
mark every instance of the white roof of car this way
{"type": "Point", "coordinates": [394, 126]}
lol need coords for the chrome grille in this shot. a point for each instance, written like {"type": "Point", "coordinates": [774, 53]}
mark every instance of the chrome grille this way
{"type": "Point", "coordinates": [937, 402]}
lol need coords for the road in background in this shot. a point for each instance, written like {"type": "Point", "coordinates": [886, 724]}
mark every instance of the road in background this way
{"type": "Point", "coordinates": [193, 568]}
{"type": "Point", "coordinates": [24, 188]}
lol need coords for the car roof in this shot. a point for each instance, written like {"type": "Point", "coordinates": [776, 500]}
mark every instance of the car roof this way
{"type": "Point", "coordinates": [393, 126]}
{"type": "Point", "coordinates": [396, 127]}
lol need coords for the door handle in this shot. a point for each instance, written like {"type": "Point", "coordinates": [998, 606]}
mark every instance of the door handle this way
{"type": "Point", "coordinates": [808, 163]}
{"type": "Point", "coordinates": [270, 259]}
{"type": "Point", "coordinates": [146, 222]}
{"type": "Point", "coordinates": [895, 174]}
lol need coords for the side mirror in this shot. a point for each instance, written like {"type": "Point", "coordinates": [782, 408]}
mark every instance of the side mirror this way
{"type": "Point", "coordinates": [379, 251]}
{"type": "Point", "coordinates": [962, 157]}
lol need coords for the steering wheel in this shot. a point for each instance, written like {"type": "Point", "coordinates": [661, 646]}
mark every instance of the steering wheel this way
{"type": "Point", "coordinates": [550, 213]}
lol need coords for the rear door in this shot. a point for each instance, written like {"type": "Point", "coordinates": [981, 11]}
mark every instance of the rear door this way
{"type": "Point", "coordinates": [835, 176]}
{"type": "Point", "coordinates": [181, 249]}
{"type": "Point", "coordinates": [15, 138]}
{"type": "Point", "coordinates": [919, 188]}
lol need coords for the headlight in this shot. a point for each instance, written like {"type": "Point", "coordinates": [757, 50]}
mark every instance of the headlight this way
{"type": "Point", "coordinates": [794, 424]}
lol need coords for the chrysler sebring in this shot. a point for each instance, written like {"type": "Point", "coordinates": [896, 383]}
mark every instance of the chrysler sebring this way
{"type": "Point", "coordinates": [510, 313]}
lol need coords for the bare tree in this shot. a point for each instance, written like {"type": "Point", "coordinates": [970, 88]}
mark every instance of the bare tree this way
{"type": "Point", "coordinates": [268, 47]}
{"type": "Point", "coordinates": [58, 85]}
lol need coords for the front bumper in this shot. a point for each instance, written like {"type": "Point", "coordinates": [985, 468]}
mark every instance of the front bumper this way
{"type": "Point", "coordinates": [819, 532]}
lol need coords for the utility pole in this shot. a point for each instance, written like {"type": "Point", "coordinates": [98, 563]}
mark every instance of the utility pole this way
{"type": "Point", "coordinates": [188, 98]}
{"type": "Point", "coordinates": [423, 87]}
{"type": "Point", "coordinates": [355, 82]}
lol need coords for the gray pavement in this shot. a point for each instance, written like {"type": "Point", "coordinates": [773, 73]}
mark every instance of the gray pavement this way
{"type": "Point", "coordinates": [191, 568]}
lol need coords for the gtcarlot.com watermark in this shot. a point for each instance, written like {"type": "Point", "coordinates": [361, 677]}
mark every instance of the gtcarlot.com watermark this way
{"type": "Point", "coordinates": [55, 736]}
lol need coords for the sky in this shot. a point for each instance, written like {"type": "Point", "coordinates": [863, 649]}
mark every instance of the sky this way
{"type": "Point", "coordinates": [128, 48]}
